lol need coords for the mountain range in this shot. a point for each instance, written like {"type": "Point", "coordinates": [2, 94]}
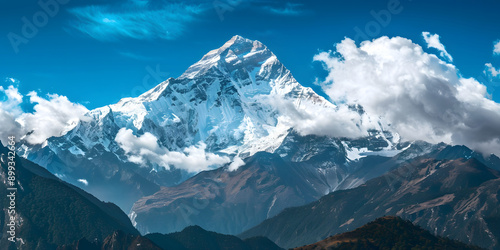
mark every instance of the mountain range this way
{"type": "Point", "coordinates": [228, 146]}
{"type": "Point", "coordinates": [458, 199]}
{"type": "Point", "coordinates": [191, 238]}
{"type": "Point", "coordinates": [236, 101]}
{"type": "Point", "coordinates": [53, 214]}
{"type": "Point", "coordinates": [218, 199]}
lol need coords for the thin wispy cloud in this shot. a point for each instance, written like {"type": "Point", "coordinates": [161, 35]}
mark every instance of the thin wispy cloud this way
{"type": "Point", "coordinates": [432, 41]}
{"type": "Point", "coordinates": [289, 9]}
{"type": "Point", "coordinates": [135, 19]}
{"type": "Point", "coordinates": [135, 56]}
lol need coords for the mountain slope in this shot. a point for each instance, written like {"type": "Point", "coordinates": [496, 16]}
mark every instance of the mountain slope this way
{"type": "Point", "coordinates": [228, 201]}
{"type": "Point", "coordinates": [301, 170]}
{"type": "Point", "coordinates": [196, 238]}
{"type": "Point", "coordinates": [456, 199]}
{"type": "Point", "coordinates": [191, 238]}
{"type": "Point", "coordinates": [387, 233]}
{"type": "Point", "coordinates": [117, 240]}
{"type": "Point", "coordinates": [50, 212]}
{"type": "Point", "coordinates": [120, 240]}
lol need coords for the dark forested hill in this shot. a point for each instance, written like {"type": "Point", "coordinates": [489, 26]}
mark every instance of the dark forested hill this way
{"type": "Point", "coordinates": [387, 233]}
{"type": "Point", "coordinates": [50, 212]}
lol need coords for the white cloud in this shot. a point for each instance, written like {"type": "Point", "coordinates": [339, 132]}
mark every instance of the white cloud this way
{"type": "Point", "coordinates": [12, 80]}
{"type": "Point", "coordinates": [423, 97]}
{"type": "Point", "coordinates": [145, 148]}
{"type": "Point", "coordinates": [51, 117]}
{"type": "Point", "coordinates": [136, 19]}
{"type": "Point", "coordinates": [83, 181]}
{"type": "Point", "coordinates": [433, 42]}
{"type": "Point", "coordinates": [237, 163]}
{"type": "Point", "coordinates": [13, 99]}
{"type": "Point", "coordinates": [340, 121]}
{"type": "Point", "coordinates": [491, 70]}
{"type": "Point", "coordinates": [10, 109]}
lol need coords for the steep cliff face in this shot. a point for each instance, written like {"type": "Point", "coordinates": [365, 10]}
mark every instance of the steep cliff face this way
{"type": "Point", "coordinates": [228, 201]}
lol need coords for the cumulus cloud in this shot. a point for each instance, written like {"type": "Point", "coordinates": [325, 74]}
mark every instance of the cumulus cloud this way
{"type": "Point", "coordinates": [52, 116]}
{"type": "Point", "coordinates": [433, 42]}
{"type": "Point", "coordinates": [136, 19]}
{"type": "Point", "coordinates": [9, 110]}
{"type": "Point", "coordinates": [334, 121]}
{"type": "Point", "coordinates": [490, 70]}
{"type": "Point", "coordinates": [423, 97]}
{"type": "Point", "coordinates": [496, 48]}
{"type": "Point", "coordinates": [12, 99]}
{"type": "Point", "coordinates": [145, 148]}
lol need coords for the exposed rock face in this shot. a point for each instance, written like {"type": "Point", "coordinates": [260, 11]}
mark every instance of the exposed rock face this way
{"type": "Point", "coordinates": [228, 202]}
{"type": "Point", "coordinates": [302, 170]}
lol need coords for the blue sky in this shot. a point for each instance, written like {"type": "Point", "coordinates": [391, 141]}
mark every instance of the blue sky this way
{"type": "Point", "coordinates": [96, 51]}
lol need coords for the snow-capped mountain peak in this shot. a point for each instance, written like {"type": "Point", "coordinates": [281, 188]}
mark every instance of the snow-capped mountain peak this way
{"type": "Point", "coordinates": [237, 52]}
{"type": "Point", "coordinates": [235, 101]}
{"type": "Point", "coordinates": [221, 100]}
